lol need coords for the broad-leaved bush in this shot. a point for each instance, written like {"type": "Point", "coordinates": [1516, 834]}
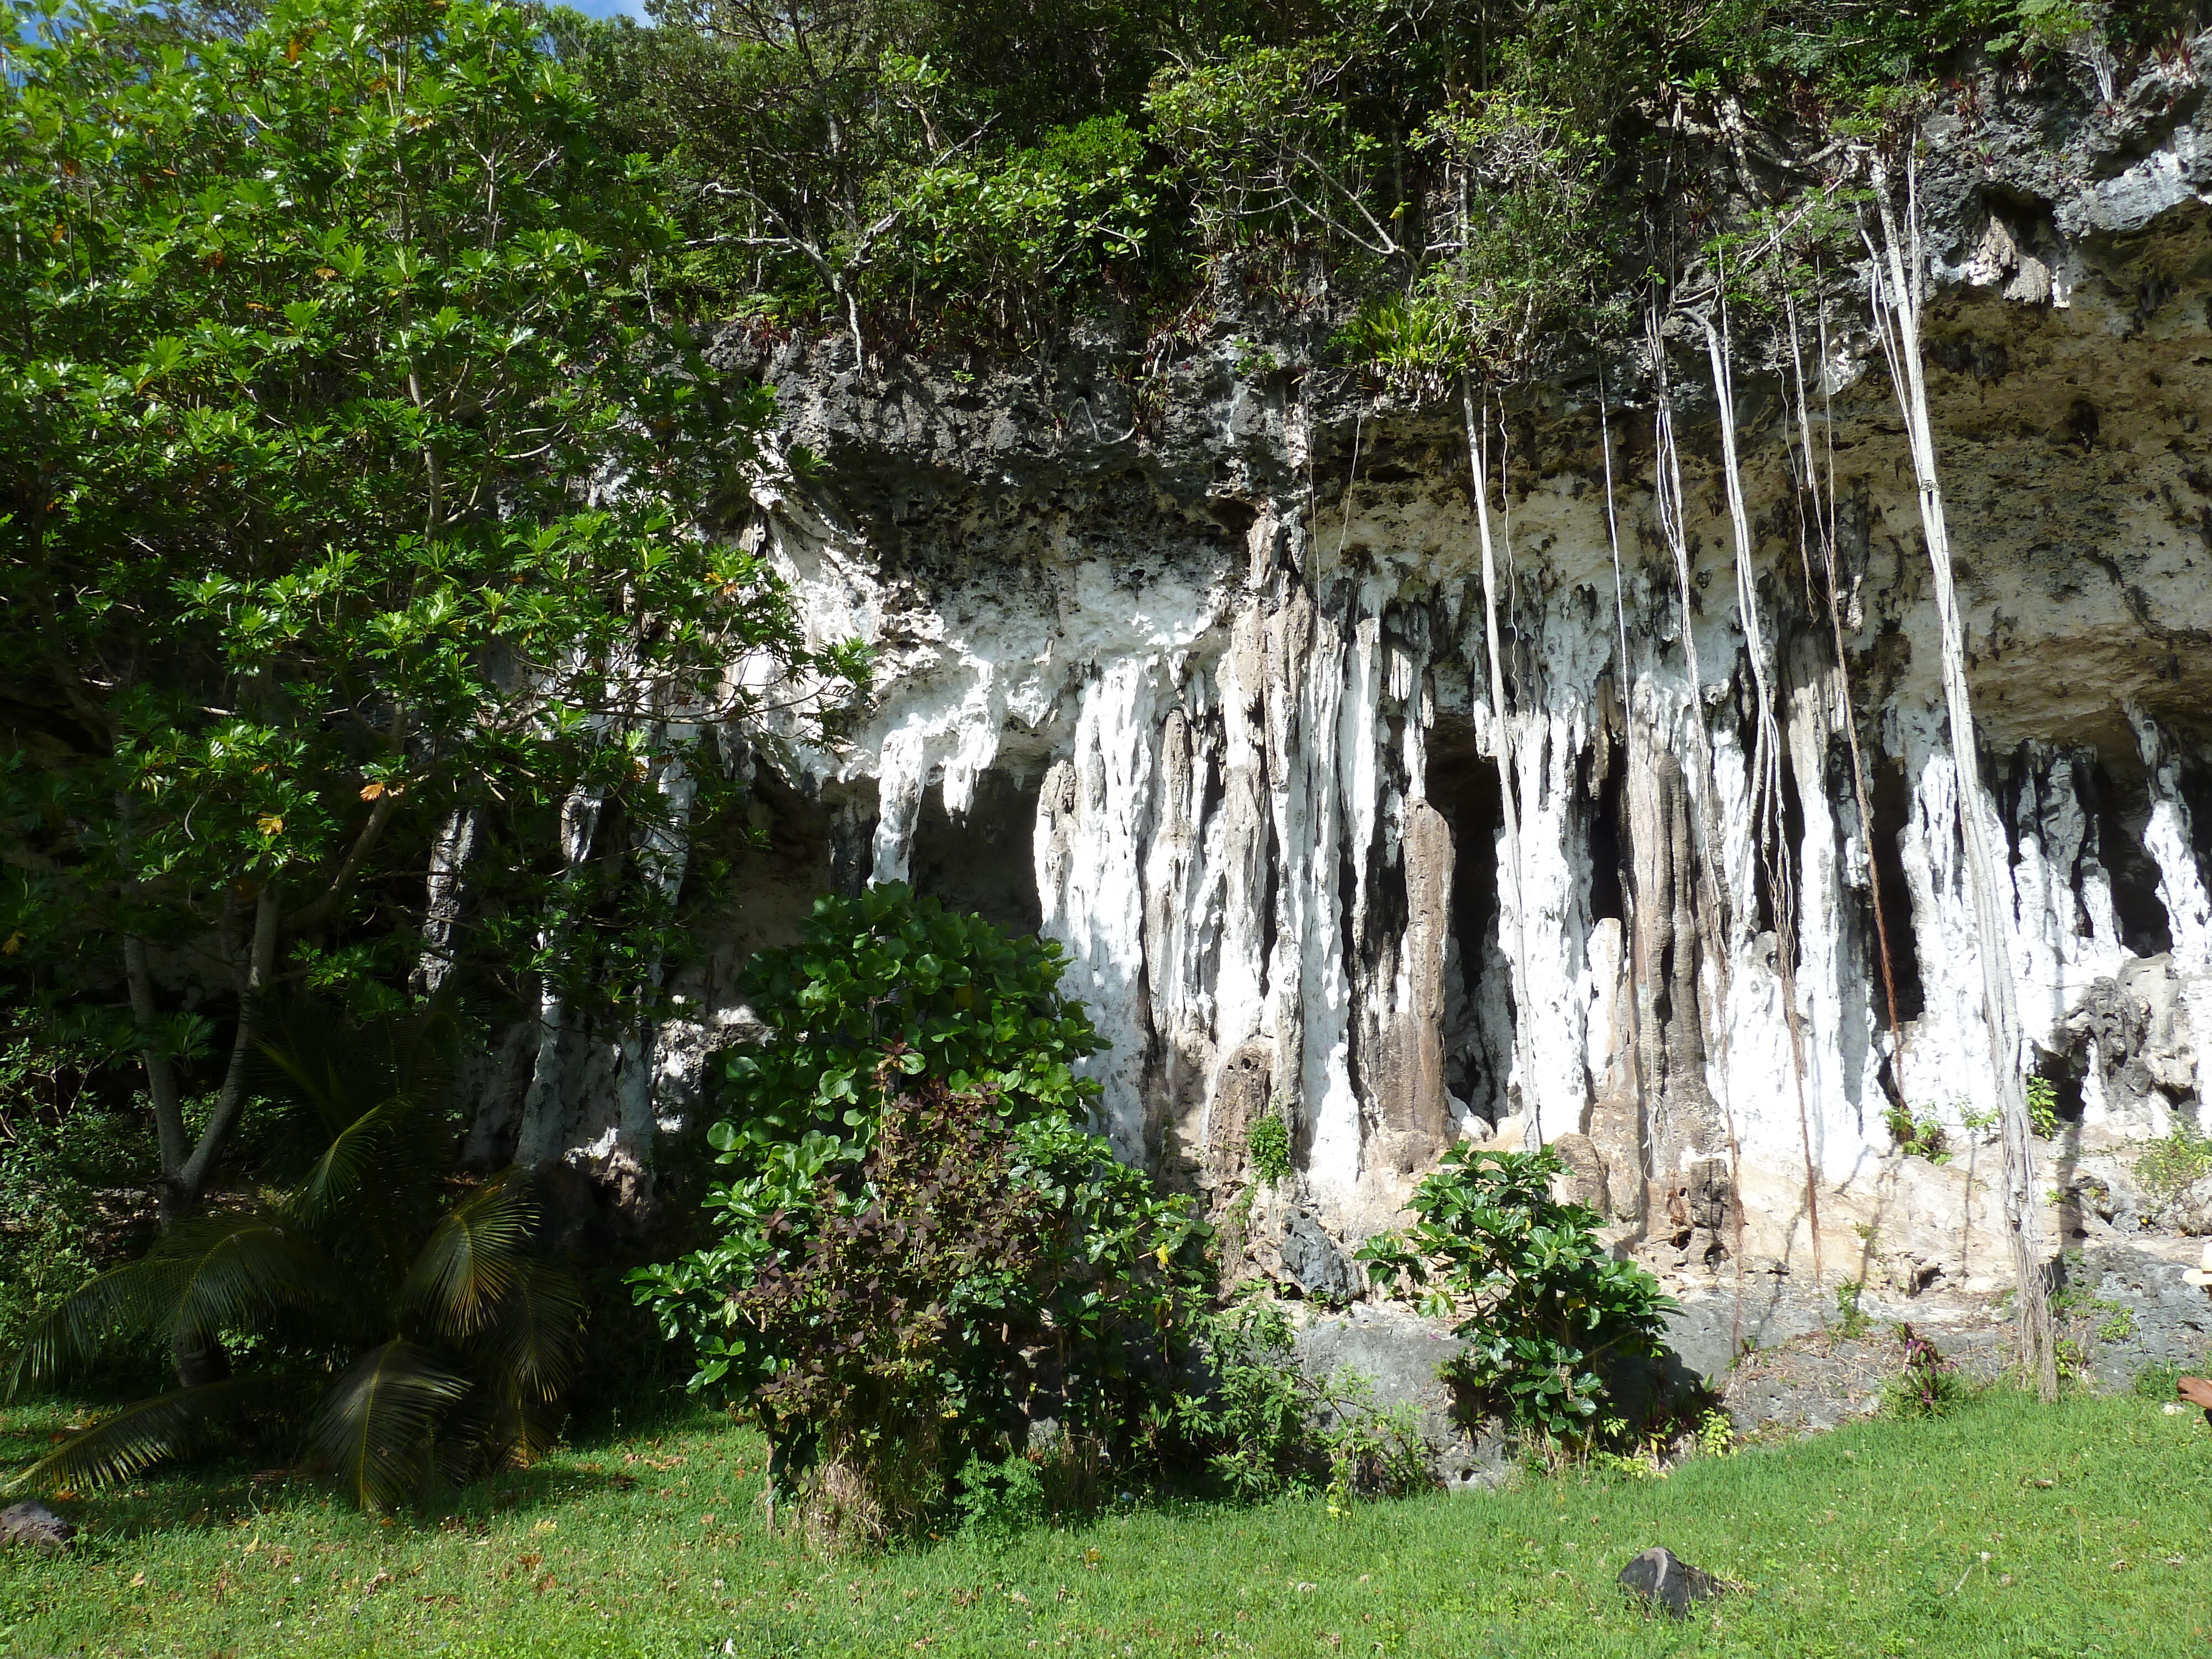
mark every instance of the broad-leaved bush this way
{"type": "Point", "coordinates": [921, 1255]}
{"type": "Point", "coordinates": [1544, 1308]}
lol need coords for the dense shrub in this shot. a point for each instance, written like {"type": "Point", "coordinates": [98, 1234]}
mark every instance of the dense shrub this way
{"type": "Point", "coordinates": [922, 1259]}
{"type": "Point", "coordinates": [959, 1000]}
{"type": "Point", "coordinates": [1546, 1311]}
{"type": "Point", "coordinates": [65, 1167]}
{"type": "Point", "coordinates": [978, 1286]}
{"type": "Point", "coordinates": [1261, 1423]}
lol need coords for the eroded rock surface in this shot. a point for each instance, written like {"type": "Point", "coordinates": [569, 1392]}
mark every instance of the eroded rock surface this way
{"type": "Point", "coordinates": [1199, 684]}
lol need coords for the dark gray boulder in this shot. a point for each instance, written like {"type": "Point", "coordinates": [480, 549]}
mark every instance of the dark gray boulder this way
{"type": "Point", "coordinates": [1663, 1580]}
{"type": "Point", "coordinates": [35, 1527]}
{"type": "Point", "coordinates": [1320, 1268]}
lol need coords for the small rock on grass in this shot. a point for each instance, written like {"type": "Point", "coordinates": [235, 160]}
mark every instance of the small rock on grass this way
{"type": "Point", "coordinates": [1660, 1578]}
{"type": "Point", "coordinates": [36, 1525]}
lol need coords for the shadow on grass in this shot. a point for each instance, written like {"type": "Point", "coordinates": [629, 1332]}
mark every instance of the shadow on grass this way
{"type": "Point", "coordinates": [262, 1479]}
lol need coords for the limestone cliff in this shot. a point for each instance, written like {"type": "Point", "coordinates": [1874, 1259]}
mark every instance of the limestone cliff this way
{"type": "Point", "coordinates": [1181, 660]}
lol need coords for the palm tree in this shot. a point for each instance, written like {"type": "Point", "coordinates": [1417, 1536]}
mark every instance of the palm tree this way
{"type": "Point", "coordinates": [414, 1330]}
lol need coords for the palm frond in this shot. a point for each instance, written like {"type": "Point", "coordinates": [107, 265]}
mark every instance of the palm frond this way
{"type": "Point", "coordinates": [241, 1271]}
{"type": "Point", "coordinates": [246, 1272]}
{"type": "Point", "coordinates": [370, 1099]}
{"type": "Point", "coordinates": [345, 1165]}
{"type": "Point", "coordinates": [123, 1301]}
{"type": "Point", "coordinates": [377, 1428]}
{"type": "Point", "coordinates": [470, 1262]}
{"type": "Point", "coordinates": [173, 1425]}
{"type": "Point", "coordinates": [535, 1341]}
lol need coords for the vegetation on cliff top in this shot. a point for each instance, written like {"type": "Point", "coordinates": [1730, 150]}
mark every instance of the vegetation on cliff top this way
{"type": "Point", "coordinates": [944, 173]}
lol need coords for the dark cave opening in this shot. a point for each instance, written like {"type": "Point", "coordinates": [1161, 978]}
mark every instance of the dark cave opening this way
{"type": "Point", "coordinates": [2120, 807]}
{"type": "Point", "coordinates": [1890, 799]}
{"type": "Point", "coordinates": [1608, 899]}
{"type": "Point", "coordinates": [986, 862]}
{"type": "Point", "coordinates": [1463, 786]}
{"type": "Point", "coordinates": [2064, 1073]}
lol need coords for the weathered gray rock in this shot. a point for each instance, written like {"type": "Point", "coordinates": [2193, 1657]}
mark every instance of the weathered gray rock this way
{"type": "Point", "coordinates": [34, 1526]}
{"type": "Point", "coordinates": [1315, 1262]}
{"type": "Point", "coordinates": [1664, 1581]}
{"type": "Point", "coordinates": [1401, 1357]}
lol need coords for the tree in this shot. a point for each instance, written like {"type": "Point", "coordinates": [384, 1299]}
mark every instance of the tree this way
{"type": "Point", "coordinates": [414, 1335]}
{"type": "Point", "coordinates": [353, 482]}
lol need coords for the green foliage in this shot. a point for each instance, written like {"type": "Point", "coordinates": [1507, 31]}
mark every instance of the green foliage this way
{"type": "Point", "coordinates": [66, 1168]}
{"type": "Point", "coordinates": [956, 998]}
{"type": "Point", "coordinates": [1267, 1144]}
{"type": "Point", "coordinates": [2043, 1107]}
{"type": "Point", "coordinates": [914, 1214]}
{"type": "Point", "coordinates": [1253, 1420]}
{"type": "Point", "coordinates": [1544, 1308]}
{"type": "Point", "coordinates": [1850, 1318]}
{"type": "Point", "coordinates": [324, 322]}
{"type": "Point", "coordinates": [1921, 1137]}
{"type": "Point", "coordinates": [1926, 1383]}
{"type": "Point", "coordinates": [1265, 1425]}
{"type": "Point", "coordinates": [1373, 1451]}
{"type": "Point", "coordinates": [2166, 1168]}
{"type": "Point", "coordinates": [404, 1334]}
{"type": "Point", "coordinates": [1001, 235]}
{"type": "Point", "coordinates": [974, 1272]}
{"type": "Point", "coordinates": [1271, 140]}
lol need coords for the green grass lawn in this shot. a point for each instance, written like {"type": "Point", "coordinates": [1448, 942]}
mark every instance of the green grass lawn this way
{"type": "Point", "coordinates": [2095, 1517]}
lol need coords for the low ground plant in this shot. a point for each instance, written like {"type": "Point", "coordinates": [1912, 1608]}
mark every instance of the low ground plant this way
{"type": "Point", "coordinates": [367, 1316]}
{"type": "Point", "coordinates": [2168, 1167]}
{"type": "Point", "coordinates": [1263, 1425]}
{"type": "Point", "coordinates": [1926, 1384]}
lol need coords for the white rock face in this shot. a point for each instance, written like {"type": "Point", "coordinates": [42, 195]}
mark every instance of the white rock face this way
{"type": "Point", "coordinates": [1212, 709]}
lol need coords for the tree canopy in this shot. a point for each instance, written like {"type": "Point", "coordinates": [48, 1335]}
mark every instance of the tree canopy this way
{"type": "Point", "coordinates": [353, 475]}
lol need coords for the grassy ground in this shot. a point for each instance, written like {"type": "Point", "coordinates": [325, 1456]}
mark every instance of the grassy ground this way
{"type": "Point", "coordinates": [2004, 1529]}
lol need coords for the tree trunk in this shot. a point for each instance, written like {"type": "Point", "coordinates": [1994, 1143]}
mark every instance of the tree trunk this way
{"type": "Point", "coordinates": [183, 1187]}
{"type": "Point", "coordinates": [1897, 301]}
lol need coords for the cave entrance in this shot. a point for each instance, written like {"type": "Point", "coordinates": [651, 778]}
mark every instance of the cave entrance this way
{"type": "Point", "coordinates": [2120, 807]}
{"type": "Point", "coordinates": [1478, 1034]}
{"type": "Point", "coordinates": [986, 861]}
{"type": "Point", "coordinates": [1889, 797]}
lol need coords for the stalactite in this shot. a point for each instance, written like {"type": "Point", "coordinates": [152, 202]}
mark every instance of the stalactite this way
{"type": "Point", "coordinates": [540, 1137]}
{"type": "Point", "coordinates": [1766, 826]}
{"type": "Point", "coordinates": [451, 849]}
{"type": "Point", "coordinates": [1501, 737]}
{"type": "Point", "coordinates": [1718, 901]}
{"type": "Point", "coordinates": [1826, 521]}
{"type": "Point", "coordinates": [1631, 931]}
{"type": "Point", "coordinates": [1897, 299]}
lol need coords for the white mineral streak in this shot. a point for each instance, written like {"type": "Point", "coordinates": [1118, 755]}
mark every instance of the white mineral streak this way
{"type": "Point", "coordinates": [1260, 791]}
{"type": "Point", "coordinates": [2166, 839]}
